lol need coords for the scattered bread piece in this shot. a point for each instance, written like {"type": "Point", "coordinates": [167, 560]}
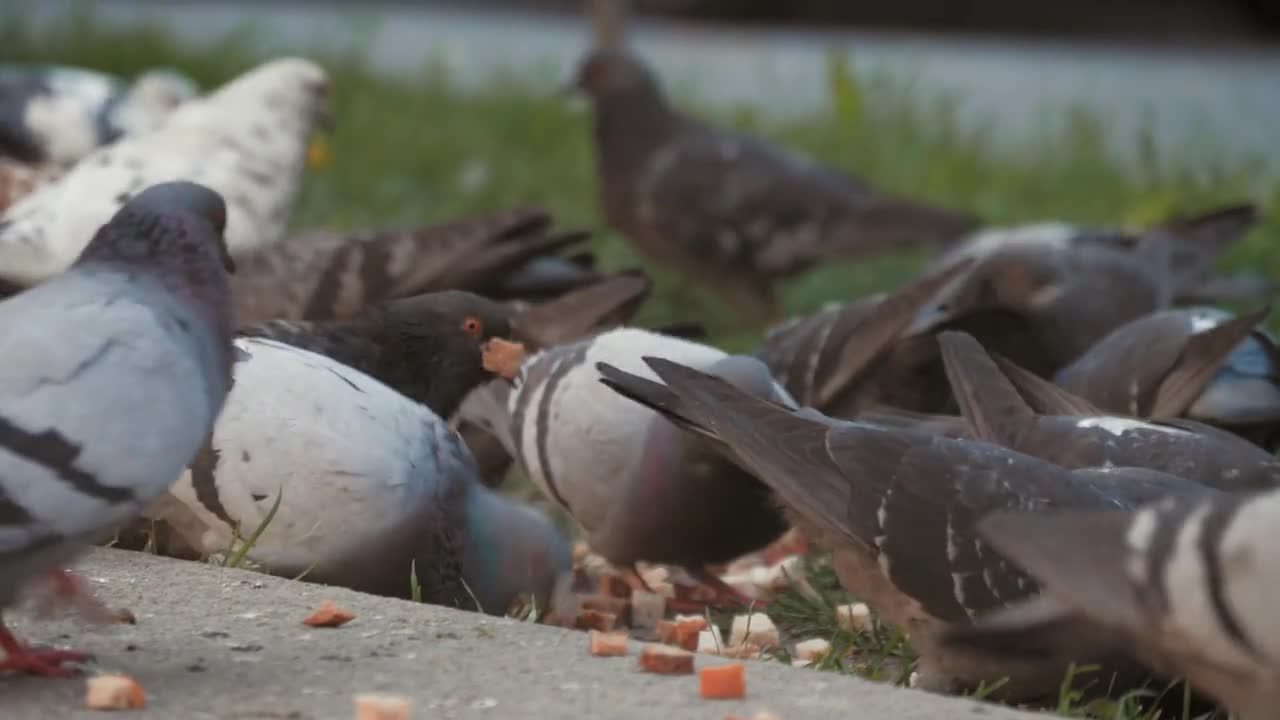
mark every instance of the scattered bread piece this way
{"type": "Point", "coordinates": [596, 620]}
{"type": "Point", "coordinates": [687, 629]}
{"type": "Point", "coordinates": [913, 680]}
{"type": "Point", "coordinates": [710, 642]}
{"type": "Point", "coordinates": [722, 682]}
{"type": "Point", "coordinates": [812, 649]}
{"type": "Point", "coordinates": [647, 609]}
{"type": "Point", "coordinates": [381, 707]}
{"type": "Point", "coordinates": [744, 564]}
{"type": "Point", "coordinates": [113, 692]}
{"type": "Point", "coordinates": [666, 631]}
{"type": "Point", "coordinates": [502, 357]}
{"type": "Point", "coordinates": [329, 615]}
{"type": "Point", "coordinates": [745, 651]}
{"type": "Point", "coordinates": [797, 662]}
{"type": "Point", "coordinates": [666, 660]}
{"type": "Point", "coordinates": [580, 552]}
{"type": "Point", "coordinates": [755, 628]}
{"type": "Point", "coordinates": [606, 644]}
{"type": "Point", "coordinates": [854, 616]}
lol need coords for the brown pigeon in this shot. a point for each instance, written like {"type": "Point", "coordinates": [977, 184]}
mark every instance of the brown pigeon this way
{"type": "Point", "coordinates": [732, 211]}
{"type": "Point", "coordinates": [328, 275]}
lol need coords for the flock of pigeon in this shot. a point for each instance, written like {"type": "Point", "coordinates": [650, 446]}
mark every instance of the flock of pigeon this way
{"type": "Point", "coordinates": [1044, 449]}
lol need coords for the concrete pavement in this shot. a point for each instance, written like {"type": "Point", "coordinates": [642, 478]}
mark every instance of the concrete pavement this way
{"type": "Point", "coordinates": [229, 644]}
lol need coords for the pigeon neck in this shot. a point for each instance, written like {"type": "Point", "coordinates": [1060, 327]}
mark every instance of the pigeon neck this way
{"type": "Point", "coordinates": [509, 549]}
{"type": "Point", "coordinates": [629, 125]}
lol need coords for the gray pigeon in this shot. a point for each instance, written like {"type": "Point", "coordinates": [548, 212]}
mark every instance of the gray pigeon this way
{"type": "Point", "coordinates": [118, 368]}
{"type": "Point", "coordinates": [733, 212]}
{"type": "Point", "coordinates": [1202, 363]}
{"type": "Point", "coordinates": [372, 489]}
{"type": "Point", "coordinates": [898, 508]}
{"type": "Point", "coordinates": [1184, 584]}
{"type": "Point", "coordinates": [639, 488]}
{"type": "Point", "coordinates": [57, 114]}
{"type": "Point", "coordinates": [1069, 432]}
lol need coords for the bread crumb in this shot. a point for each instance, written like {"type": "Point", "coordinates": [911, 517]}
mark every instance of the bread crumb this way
{"type": "Point", "coordinates": [647, 609]}
{"type": "Point", "coordinates": [797, 662]}
{"type": "Point", "coordinates": [113, 692]}
{"type": "Point", "coordinates": [606, 644]}
{"type": "Point", "coordinates": [913, 680]}
{"type": "Point", "coordinates": [812, 649]}
{"type": "Point", "coordinates": [329, 615]}
{"type": "Point", "coordinates": [614, 585]}
{"type": "Point", "coordinates": [381, 707]}
{"type": "Point", "coordinates": [854, 616]}
{"type": "Point", "coordinates": [722, 682]}
{"type": "Point", "coordinates": [755, 628]}
{"type": "Point", "coordinates": [596, 620]}
{"type": "Point", "coordinates": [666, 660]}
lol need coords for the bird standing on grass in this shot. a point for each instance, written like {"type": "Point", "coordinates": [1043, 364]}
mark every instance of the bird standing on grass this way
{"type": "Point", "coordinates": [117, 369]}
{"type": "Point", "coordinates": [731, 211]}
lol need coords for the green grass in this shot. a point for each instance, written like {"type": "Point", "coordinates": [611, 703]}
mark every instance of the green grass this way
{"type": "Point", "coordinates": [405, 143]}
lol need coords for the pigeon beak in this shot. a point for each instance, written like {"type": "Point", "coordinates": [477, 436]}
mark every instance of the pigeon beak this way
{"type": "Point", "coordinates": [502, 357]}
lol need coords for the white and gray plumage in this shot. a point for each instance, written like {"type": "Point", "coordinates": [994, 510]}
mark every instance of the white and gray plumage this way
{"type": "Point", "coordinates": [371, 485]}
{"type": "Point", "coordinates": [638, 487]}
{"type": "Point", "coordinates": [57, 114]}
{"type": "Point", "coordinates": [898, 508]}
{"type": "Point", "coordinates": [1186, 585]}
{"type": "Point", "coordinates": [246, 140]}
{"type": "Point", "coordinates": [117, 369]}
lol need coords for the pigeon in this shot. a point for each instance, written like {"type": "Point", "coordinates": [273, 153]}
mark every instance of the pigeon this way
{"type": "Point", "coordinates": [1202, 363]}
{"type": "Point", "coordinates": [1183, 583]}
{"type": "Point", "coordinates": [372, 488]}
{"type": "Point", "coordinates": [638, 488]}
{"type": "Point", "coordinates": [832, 360]}
{"type": "Point", "coordinates": [329, 275]}
{"type": "Point", "coordinates": [1196, 243]}
{"type": "Point", "coordinates": [897, 508]}
{"type": "Point", "coordinates": [58, 114]}
{"type": "Point", "coordinates": [1041, 299]}
{"type": "Point", "coordinates": [246, 140]}
{"type": "Point", "coordinates": [118, 368]}
{"type": "Point", "coordinates": [1072, 433]}
{"type": "Point", "coordinates": [428, 347]}
{"type": "Point", "coordinates": [731, 211]}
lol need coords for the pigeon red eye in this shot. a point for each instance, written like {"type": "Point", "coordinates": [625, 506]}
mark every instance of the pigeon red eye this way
{"type": "Point", "coordinates": [472, 326]}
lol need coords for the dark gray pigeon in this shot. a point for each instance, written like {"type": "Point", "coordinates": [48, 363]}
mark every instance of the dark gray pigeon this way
{"type": "Point", "coordinates": [1071, 433]}
{"type": "Point", "coordinates": [1202, 363]}
{"type": "Point", "coordinates": [117, 369]}
{"type": "Point", "coordinates": [733, 212]}
{"type": "Point", "coordinates": [1184, 584]}
{"type": "Point", "coordinates": [372, 489]}
{"type": "Point", "coordinates": [898, 509]}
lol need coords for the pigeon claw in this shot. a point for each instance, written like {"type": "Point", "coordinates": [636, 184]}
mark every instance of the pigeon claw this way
{"type": "Point", "coordinates": [46, 662]}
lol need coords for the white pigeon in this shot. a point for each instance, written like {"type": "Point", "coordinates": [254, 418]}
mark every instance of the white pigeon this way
{"type": "Point", "coordinates": [372, 487]}
{"type": "Point", "coordinates": [116, 370]}
{"type": "Point", "coordinates": [641, 489]}
{"type": "Point", "coordinates": [246, 140]}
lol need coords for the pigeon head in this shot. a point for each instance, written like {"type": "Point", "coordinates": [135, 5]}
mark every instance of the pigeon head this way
{"type": "Point", "coordinates": [447, 337]}
{"type": "Point", "coordinates": [286, 97]}
{"type": "Point", "coordinates": [174, 224]}
{"type": "Point", "coordinates": [511, 550]}
{"type": "Point", "coordinates": [612, 72]}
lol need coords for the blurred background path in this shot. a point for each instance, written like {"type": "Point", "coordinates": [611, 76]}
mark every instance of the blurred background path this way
{"type": "Point", "coordinates": [1018, 85]}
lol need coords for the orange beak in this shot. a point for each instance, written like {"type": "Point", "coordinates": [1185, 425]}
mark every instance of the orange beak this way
{"type": "Point", "coordinates": [502, 357]}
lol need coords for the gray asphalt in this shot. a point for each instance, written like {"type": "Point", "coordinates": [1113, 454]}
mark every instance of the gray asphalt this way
{"type": "Point", "coordinates": [229, 644]}
{"type": "Point", "coordinates": [1216, 100]}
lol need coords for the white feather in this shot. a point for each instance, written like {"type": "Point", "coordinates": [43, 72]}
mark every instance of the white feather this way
{"type": "Point", "coordinates": [351, 456]}
{"type": "Point", "coordinates": [246, 140]}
